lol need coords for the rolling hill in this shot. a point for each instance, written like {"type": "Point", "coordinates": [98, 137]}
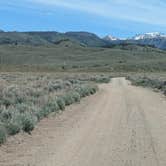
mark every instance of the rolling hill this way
{"type": "Point", "coordinates": [83, 38]}
{"type": "Point", "coordinates": [46, 38]}
{"type": "Point", "coordinates": [68, 55]}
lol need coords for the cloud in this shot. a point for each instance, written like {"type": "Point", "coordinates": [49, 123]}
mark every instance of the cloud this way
{"type": "Point", "coordinates": [144, 11]}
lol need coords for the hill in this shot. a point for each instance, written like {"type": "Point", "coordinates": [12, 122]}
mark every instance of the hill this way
{"type": "Point", "coordinates": [46, 38]}
{"type": "Point", "coordinates": [68, 55]}
{"type": "Point", "coordinates": [84, 38]}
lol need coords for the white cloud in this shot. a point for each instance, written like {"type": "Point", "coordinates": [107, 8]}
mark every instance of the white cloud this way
{"type": "Point", "coordinates": [146, 11]}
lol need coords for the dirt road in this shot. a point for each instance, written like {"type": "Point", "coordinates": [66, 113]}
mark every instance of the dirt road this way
{"type": "Point", "coordinates": [122, 125]}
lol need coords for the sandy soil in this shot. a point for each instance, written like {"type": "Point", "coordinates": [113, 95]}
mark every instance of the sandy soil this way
{"type": "Point", "coordinates": [121, 125]}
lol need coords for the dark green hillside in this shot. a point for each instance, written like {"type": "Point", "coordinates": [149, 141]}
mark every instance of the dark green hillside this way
{"type": "Point", "coordinates": [46, 38]}
{"type": "Point", "coordinates": [67, 55]}
{"type": "Point", "coordinates": [20, 38]}
{"type": "Point", "coordinates": [86, 38]}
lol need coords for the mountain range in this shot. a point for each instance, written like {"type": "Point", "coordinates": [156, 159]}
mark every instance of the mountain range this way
{"type": "Point", "coordinates": [154, 39]}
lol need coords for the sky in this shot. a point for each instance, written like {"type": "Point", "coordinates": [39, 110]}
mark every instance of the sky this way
{"type": "Point", "coordinates": [120, 18]}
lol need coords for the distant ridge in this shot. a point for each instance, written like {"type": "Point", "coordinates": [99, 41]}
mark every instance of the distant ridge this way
{"type": "Point", "coordinates": [50, 37]}
{"type": "Point", "coordinates": [155, 39]}
{"type": "Point", "coordinates": [36, 38]}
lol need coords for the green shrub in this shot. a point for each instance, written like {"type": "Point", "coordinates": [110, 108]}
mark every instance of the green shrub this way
{"type": "Point", "coordinates": [39, 114]}
{"type": "Point", "coordinates": [54, 86]}
{"type": "Point", "coordinates": [36, 111]}
{"type": "Point", "coordinates": [10, 120]}
{"type": "Point", "coordinates": [93, 89]}
{"type": "Point", "coordinates": [74, 81]}
{"type": "Point", "coordinates": [101, 79]}
{"type": "Point", "coordinates": [3, 134]}
{"type": "Point", "coordinates": [6, 115]}
{"type": "Point", "coordinates": [147, 82]}
{"type": "Point", "coordinates": [81, 91]}
{"type": "Point", "coordinates": [68, 99]}
{"type": "Point", "coordinates": [85, 90]}
{"type": "Point", "coordinates": [67, 84]}
{"type": "Point", "coordinates": [28, 122]}
{"type": "Point", "coordinates": [52, 105]}
{"type": "Point", "coordinates": [76, 96]}
{"type": "Point", "coordinates": [22, 107]}
{"type": "Point", "coordinates": [61, 103]}
{"type": "Point", "coordinates": [43, 112]}
{"type": "Point", "coordinates": [71, 97]}
{"type": "Point", "coordinates": [6, 101]}
{"type": "Point", "coordinates": [12, 128]}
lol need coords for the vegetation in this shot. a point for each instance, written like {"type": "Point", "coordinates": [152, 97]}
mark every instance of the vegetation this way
{"type": "Point", "coordinates": [48, 38]}
{"type": "Point", "coordinates": [154, 83]}
{"type": "Point", "coordinates": [101, 79]}
{"type": "Point", "coordinates": [70, 56]}
{"type": "Point", "coordinates": [2, 134]}
{"type": "Point", "coordinates": [25, 100]}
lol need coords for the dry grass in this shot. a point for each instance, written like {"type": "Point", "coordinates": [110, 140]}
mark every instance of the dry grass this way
{"type": "Point", "coordinates": [26, 98]}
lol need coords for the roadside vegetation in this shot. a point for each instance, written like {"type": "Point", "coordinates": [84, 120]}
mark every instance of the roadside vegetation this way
{"type": "Point", "coordinates": [155, 83]}
{"type": "Point", "coordinates": [26, 99]}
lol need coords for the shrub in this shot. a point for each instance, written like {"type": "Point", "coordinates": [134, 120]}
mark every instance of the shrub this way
{"type": "Point", "coordinates": [10, 120]}
{"type": "Point", "coordinates": [36, 111]}
{"type": "Point", "coordinates": [85, 90]}
{"type": "Point", "coordinates": [74, 81]}
{"type": "Point", "coordinates": [54, 86]}
{"type": "Point", "coordinates": [81, 91]}
{"type": "Point", "coordinates": [93, 89]}
{"type": "Point", "coordinates": [12, 128]}
{"type": "Point", "coordinates": [147, 82]}
{"type": "Point", "coordinates": [101, 79]}
{"type": "Point", "coordinates": [76, 96]}
{"type": "Point", "coordinates": [43, 112]}
{"type": "Point", "coordinates": [61, 103]}
{"type": "Point", "coordinates": [52, 105]}
{"type": "Point", "coordinates": [28, 122]}
{"type": "Point", "coordinates": [7, 101]}
{"type": "Point", "coordinates": [68, 99]}
{"type": "Point", "coordinates": [3, 134]}
{"type": "Point", "coordinates": [67, 84]}
{"type": "Point", "coordinates": [6, 115]}
{"type": "Point", "coordinates": [22, 108]}
{"type": "Point", "coordinates": [71, 97]}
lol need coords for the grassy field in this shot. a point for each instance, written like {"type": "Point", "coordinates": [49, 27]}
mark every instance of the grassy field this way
{"type": "Point", "coordinates": [69, 56]}
{"type": "Point", "coordinates": [26, 98]}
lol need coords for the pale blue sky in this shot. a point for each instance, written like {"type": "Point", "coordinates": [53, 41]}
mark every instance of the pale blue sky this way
{"type": "Point", "coordinates": [122, 18]}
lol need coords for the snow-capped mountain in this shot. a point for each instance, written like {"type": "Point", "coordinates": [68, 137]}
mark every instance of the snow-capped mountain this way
{"type": "Point", "coordinates": [110, 38]}
{"type": "Point", "coordinates": [151, 35]}
{"type": "Point", "coordinates": [156, 39]}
